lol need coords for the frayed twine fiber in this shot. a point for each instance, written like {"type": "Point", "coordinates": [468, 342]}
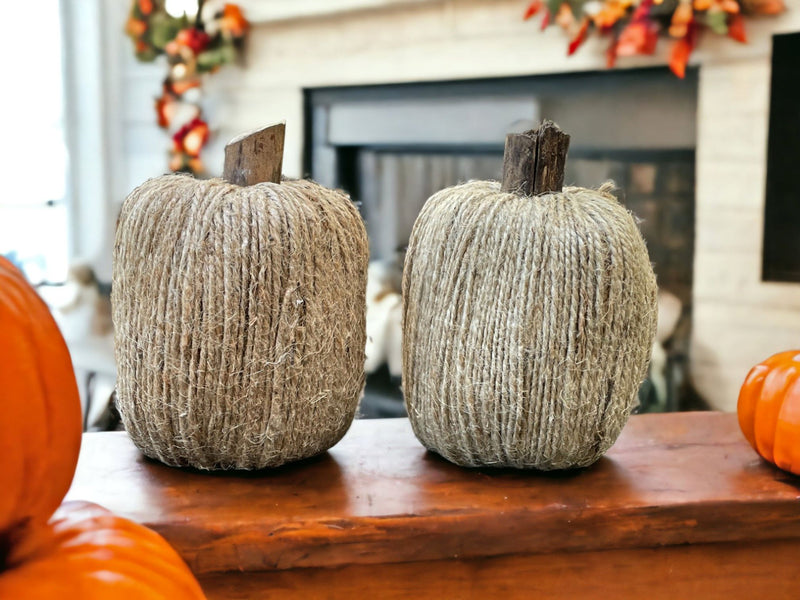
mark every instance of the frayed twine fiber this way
{"type": "Point", "coordinates": [528, 325]}
{"type": "Point", "coordinates": [239, 315]}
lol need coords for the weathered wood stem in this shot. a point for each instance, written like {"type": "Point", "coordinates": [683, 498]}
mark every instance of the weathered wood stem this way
{"type": "Point", "coordinates": [255, 157]}
{"type": "Point", "coordinates": [534, 161]}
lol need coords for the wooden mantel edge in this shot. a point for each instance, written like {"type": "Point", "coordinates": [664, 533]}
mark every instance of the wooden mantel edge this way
{"type": "Point", "coordinates": [399, 505]}
{"type": "Point", "coordinates": [332, 543]}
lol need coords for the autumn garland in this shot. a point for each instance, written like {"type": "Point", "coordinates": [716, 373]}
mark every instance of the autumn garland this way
{"type": "Point", "coordinates": [193, 47]}
{"type": "Point", "coordinates": [634, 25]}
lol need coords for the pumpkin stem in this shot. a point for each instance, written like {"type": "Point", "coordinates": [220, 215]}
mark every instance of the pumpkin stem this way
{"type": "Point", "coordinates": [255, 157]}
{"type": "Point", "coordinates": [534, 161]}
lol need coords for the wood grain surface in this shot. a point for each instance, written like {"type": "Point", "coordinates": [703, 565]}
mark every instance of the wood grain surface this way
{"type": "Point", "coordinates": [379, 497]}
{"type": "Point", "coordinates": [701, 572]}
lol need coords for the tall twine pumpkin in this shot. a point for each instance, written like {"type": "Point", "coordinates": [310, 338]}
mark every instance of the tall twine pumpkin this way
{"type": "Point", "coordinates": [239, 313]}
{"type": "Point", "coordinates": [529, 315]}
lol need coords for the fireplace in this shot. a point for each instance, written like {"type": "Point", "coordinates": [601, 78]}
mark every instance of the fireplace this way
{"type": "Point", "coordinates": [392, 146]}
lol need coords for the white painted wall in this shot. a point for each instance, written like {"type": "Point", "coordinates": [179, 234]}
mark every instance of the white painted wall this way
{"type": "Point", "coordinates": [738, 320]}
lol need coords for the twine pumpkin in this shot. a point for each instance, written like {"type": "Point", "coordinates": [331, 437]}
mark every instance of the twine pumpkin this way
{"type": "Point", "coordinates": [529, 316]}
{"type": "Point", "coordinates": [239, 315]}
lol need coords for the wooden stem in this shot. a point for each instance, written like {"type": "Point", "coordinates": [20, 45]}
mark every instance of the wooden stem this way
{"type": "Point", "coordinates": [534, 161]}
{"type": "Point", "coordinates": [255, 157]}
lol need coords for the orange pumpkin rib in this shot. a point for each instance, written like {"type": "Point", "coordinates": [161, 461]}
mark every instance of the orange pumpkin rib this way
{"type": "Point", "coordinates": [63, 406]}
{"type": "Point", "coordinates": [748, 400]}
{"type": "Point", "coordinates": [782, 357]}
{"type": "Point", "coordinates": [750, 393]}
{"type": "Point", "coordinates": [96, 555]}
{"type": "Point", "coordinates": [21, 402]}
{"type": "Point", "coordinates": [768, 408]}
{"type": "Point", "coordinates": [787, 431]}
{"type": "Point", "coordinates": [63, 402]}
{"type": "Point", "coordinates": [38, 389]}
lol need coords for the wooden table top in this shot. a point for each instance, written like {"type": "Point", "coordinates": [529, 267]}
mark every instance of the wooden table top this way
{"type": "Point", "coordinates": [379, 497]}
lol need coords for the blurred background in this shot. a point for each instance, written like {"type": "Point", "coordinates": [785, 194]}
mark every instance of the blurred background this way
{"type": "Point", "coordinates": [690, 107]}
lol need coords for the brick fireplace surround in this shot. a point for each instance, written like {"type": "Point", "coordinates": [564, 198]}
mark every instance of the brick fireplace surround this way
{"type": "Point", "coordinates": [737, 318]}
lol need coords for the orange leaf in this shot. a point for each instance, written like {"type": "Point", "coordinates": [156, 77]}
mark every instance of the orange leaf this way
{"type": "Point", "coordinates": [179, 88]}
{"type": "Point", "coordinates": [564, 17]}
{"type": "Point", "coordinates": [609, 15]}
{"type": "Point", "coordinates": [545, 19]}
{"type": "Point", "coordinates": [233, 21]}
{"type": "Point", "coordinates": [533, 8]}
{"type": "Point", "coordinates": [177, 160]}
{"type": "Point", "coordinates": [736, 29]}
{"type": "Point", "coordinates": [196, 165]}
{"type": "Point", "coordinates": [730, 6]}
{"type": "Point", "coordinates": [611, 53]}
{"type": "Point", "coordinates": [191, 138]}
{"type": "Point", "coordinates": [579, 38]}
{"type": "Point", "coordinates": [135, 27]}
{"type": "Point", "coordinates": [679, 57]}
{"type": "Point", "coordinates": [639, 37]}
{"type": "Point", "coordinates": [764, 7]}
{"type": "Point", "coordinates": [165, 110]}
{"type": "Point", "coordinates": [681, 19]}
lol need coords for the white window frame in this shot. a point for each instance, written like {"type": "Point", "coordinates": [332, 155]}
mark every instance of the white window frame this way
{"type": "Point", "coordinates": [93, 39]}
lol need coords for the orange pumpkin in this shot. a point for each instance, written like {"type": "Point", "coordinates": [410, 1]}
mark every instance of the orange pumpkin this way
{"type": "Point", "coordinates": [88, 553]}
{"type": "Point", "coordinates": [84, 551]}
{"type": "Point", "coordinates": [769, 410]}
{"type": "Point", "coordinates": [40, 428]}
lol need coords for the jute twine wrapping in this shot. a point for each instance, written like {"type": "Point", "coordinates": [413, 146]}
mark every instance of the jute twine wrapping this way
{"type": "Point", "coordinates": [240, 321]}
{"type": "Point", "coordinates": [528, 324]}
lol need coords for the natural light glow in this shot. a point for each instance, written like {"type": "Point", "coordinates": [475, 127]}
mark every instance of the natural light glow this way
{"type": "Point", "coordinates": [33, 206]}
{"type": "Point", "coordinates": [177, 8]}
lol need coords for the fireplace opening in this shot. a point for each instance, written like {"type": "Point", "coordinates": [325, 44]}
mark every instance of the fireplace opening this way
{"type": "Point", "coordinates": [391, 147]}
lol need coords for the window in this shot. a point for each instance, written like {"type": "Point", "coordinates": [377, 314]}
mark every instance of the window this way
{"type": "Point", "coordinates": [33, 204]}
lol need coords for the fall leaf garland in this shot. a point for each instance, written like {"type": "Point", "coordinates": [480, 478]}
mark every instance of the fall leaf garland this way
{"type": "Point", "coordinates": [635, 25]}
{"type": "Point", "coordinates": [193, 47]}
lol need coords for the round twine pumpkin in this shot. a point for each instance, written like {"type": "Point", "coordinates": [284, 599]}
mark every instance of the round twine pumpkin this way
{"type": "Point", "coordinates": [240, 320]}
{"type": "Point", "coordinates": [528, 324]}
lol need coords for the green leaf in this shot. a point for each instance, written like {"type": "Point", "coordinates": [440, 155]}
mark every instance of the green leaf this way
{"type": "Point", "coordinates": [208, 60]}
{"type": "Point", "coordinates": [228, 52]}
{"type": "Point", "coordinates": [717, 21]}
{"type": "Point", "coordinates": [214, 57]}
{"type": "Point", "coordinates": [164, 28]}
{"type": "Point", "coordinates": [148, 55]}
